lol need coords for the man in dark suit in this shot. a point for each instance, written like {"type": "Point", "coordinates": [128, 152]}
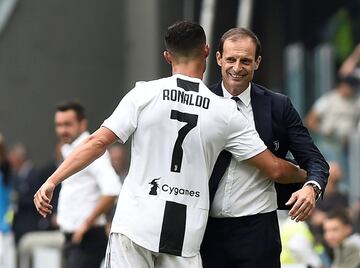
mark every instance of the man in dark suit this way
{"type": "Point", "coordinates": [243, 229]}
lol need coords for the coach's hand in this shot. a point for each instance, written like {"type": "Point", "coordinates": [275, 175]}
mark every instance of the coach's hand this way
{"type": "Point", "coordinates": [43, 197]}
{"type": "Point", "coordinates": [303, 202]}
{"type": "Point", "coordinates": [78, 235]}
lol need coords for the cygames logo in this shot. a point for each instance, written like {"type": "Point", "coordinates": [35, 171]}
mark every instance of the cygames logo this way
{"type": "Point", "coordinates": [171, 190]}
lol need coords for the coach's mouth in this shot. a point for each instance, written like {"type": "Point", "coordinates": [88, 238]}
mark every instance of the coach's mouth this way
{"type": "Point", "coordinates": [237, 76]}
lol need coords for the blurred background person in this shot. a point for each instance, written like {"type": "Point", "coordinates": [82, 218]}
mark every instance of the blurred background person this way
{"type": "Point", "coordinates": [299, 246]}
{"type": "Point", "coordinates": [85, 196]}
{"type": "Point", "coordinates": [333, 199]}
{"type": "Point", "coordinates": [334, 117]}
{"type": "Point", "coordinates": [356, 216]}
{"type": "Point", "coordinates": [338, 234]}
{"type": "Point", "coordinates": [47, 241]}
{"type": "Point", "coordinates": [7, 250]}
{"type": "Point", "coordinates": [50, 223]}
{"type": "Point", "coordinates": [25, 181]}
{"type": "Point", "coordinates": [349, 66]}
{"type": "Point", "coordinates": [119, 159]}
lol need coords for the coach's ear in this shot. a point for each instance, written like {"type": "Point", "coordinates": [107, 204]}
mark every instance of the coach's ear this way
{"type": "Point", "coordinates": [257, 62]}
{"type": "Point", "coordinates": [167, 56]}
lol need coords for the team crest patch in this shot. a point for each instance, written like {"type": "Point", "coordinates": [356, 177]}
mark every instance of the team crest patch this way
{"type": "Point", "coordinates": [276, 145]}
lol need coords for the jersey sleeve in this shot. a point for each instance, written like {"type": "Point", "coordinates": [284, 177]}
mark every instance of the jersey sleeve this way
{"type": "Point", "coordinates": [123, 121]}
{"type": "Point", "coordinates": [243, 141]}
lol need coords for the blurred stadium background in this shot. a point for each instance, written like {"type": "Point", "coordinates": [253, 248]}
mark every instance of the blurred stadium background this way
{"type": "Point", "coordinates": [94, 51]}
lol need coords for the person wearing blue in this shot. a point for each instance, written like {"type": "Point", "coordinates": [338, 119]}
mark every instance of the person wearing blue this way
{"type": "Point", "coordinates": [4, 204]}
{"type": "Point", "coordinates": [4, 194]}
{"type": "Point", "coordinates": [7, 257]}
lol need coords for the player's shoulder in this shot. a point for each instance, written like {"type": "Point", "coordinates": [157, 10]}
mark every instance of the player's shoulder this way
{"type": "Point", "coordinates": [219, 100]}
{"type": "Point", "coordinates": [150, 83]}
{"type": "Point", "coordinates": [223, 107]}
{"type": "Point", "coordinates": [161, 83]}
{"type": "Point", "coordinates": [148, 88]}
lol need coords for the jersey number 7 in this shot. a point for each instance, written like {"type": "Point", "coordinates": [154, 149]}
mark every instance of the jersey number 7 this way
{"type": "Point", "coordinates": [191, 120]}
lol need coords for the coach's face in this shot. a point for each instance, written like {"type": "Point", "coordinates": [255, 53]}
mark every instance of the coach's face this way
{"type": "Point", "coordinates": [67, 126]}
{"type": "Point", "coordinates": [238, 63]}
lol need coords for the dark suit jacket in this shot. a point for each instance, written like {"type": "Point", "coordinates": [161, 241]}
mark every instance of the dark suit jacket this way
{"type": "Point", "coordinates": [280, 127]}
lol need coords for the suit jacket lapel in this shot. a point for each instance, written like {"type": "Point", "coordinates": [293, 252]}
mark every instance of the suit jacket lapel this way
{"type": "Point", "coordinates": [261, 105]}
{"type": "Point", "coordinates": [217, 89]}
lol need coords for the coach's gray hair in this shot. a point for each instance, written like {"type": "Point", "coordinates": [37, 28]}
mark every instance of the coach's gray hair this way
{"type": "Point", "coordinates": [237, 33]}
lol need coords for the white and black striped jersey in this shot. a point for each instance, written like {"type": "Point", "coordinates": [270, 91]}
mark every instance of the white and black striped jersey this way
{"type": "Point", "coordinates": [179, 128]}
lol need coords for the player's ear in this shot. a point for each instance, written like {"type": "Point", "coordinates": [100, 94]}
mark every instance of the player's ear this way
{"type": "Point", "coordinates": [207, 50]}
{"type": "Point", "coordinates": [167, 56]}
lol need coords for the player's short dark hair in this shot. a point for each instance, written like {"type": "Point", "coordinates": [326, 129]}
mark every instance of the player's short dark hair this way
{"type": "Point", "coordinates": [74, 106]}
{"type": "Point", "coordinates": [185, 39]}
{"type": "Point", "coordinates": [341, 215]}
{"type": "Point", "coordinates": [237, 33]}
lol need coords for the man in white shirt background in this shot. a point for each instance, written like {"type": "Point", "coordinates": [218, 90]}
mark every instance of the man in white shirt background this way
{"type": "Point", "coordinates": [85, 196]}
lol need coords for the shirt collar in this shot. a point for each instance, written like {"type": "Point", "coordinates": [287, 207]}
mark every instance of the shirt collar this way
{"type": "Point", "coordinates": [244, 96]}
{"type": "Point", "coordinates": [77, 141]}
{"type": "Point", "coordinates": [185, 77]}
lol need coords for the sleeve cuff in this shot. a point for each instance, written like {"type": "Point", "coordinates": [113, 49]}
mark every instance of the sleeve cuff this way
{"type": "Point", "coordinates": [314, 182]}
{"type": "Point", "coordinates": [318, 185]}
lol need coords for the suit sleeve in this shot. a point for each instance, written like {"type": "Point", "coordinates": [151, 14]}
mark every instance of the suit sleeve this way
{"type": "Point", "coordinates": [303, 148]}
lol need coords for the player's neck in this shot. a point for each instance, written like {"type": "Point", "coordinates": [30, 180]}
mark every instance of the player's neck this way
{"type": "Point", "coordinates": [192, 69]}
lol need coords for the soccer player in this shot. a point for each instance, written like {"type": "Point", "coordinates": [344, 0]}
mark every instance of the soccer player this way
{"type": "Point", "coordinates": [178, 128]}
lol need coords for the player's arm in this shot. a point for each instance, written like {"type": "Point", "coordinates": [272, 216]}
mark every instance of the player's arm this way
{"type": "Point", "coordinates": [350, 63]}
{"type": "Point", "coordinates": [277, 169]}
{"type": "Point", "coordinates": [89, 150]}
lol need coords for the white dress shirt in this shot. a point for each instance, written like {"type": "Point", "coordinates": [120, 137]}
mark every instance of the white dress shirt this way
{"type": "Point", "coordinates": [243, 190]}
{"type": "Point", "coordinates": [81, 192]}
